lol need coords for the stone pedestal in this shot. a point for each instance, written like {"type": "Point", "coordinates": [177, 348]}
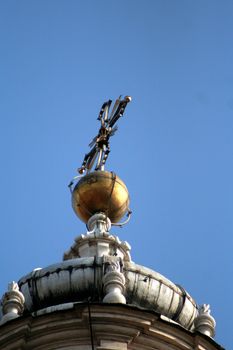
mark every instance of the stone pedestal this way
{"type": "Point", "coordinates": [98, 242]}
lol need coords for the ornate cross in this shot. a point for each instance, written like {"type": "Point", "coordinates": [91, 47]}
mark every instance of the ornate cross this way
{"type": "Point", "coordinates": [100, 147]}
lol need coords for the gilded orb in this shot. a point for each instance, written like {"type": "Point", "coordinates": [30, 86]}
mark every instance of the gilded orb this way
{"type": "Point", "coordinates": [100, 191]}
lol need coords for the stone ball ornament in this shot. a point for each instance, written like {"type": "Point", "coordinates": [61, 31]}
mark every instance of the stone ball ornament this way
{"type": "Point", "coordinates": [100, 191]}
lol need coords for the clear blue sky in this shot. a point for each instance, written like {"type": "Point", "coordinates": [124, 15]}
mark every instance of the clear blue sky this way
{"type": "Point", "coordinates": [59, 61]}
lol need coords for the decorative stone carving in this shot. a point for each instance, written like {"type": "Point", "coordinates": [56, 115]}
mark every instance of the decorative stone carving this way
{"type": "Point", "coordinates": [113, 266]}
{"type": "Point", "coordinates": [98, 242]}
{"type": "Point", "coordinates": [12, 303]}
{"type": "Point", "coordinates": [204, 309]}
{"type": "Point", "coordinates": [204, 322]}
{"type": "Point", "coordinates": [113, 281]}
{"type": "Point", "coordinates": [99, 225]}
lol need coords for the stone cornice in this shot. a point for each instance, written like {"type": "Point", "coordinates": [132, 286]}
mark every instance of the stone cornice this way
{"type": "Point", "coordinates": [113, 325]}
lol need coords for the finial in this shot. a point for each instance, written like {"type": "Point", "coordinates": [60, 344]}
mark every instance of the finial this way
{"type": "Point", "coordinates": [12, 303]}
{"type": "Point", "coordinates": [13, 286]}
{"type": "Point", "coordinates": [113, 281]}
{"type": "Point", "coordinates": [100, 143]}
{"type": "Point", "coordinates": [204, 322]}
{"type": "Point", "coordinates": [100, 191]}
{"type": "Point", "coordinates": [204, 309]}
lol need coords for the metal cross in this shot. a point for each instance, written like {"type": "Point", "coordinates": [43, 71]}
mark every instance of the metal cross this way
{"type": "Point", "coordinates": [100, 144]}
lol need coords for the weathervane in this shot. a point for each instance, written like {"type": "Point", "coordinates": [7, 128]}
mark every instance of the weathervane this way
{"type": "Point", "coordinates": [100, 143]}
{"type": "Point", "coordinates": [97, 191]}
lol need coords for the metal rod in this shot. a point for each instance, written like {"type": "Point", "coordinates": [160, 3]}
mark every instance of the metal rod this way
{"type": "Point", "coordinates": [99, 158]}
{"type": "Point", "coordinates": [90, 324]}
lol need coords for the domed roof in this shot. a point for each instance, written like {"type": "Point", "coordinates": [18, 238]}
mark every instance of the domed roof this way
{"type": "Point", "coordinates": [82, 277]}
{"type": "Point", "coordinates": [81, 280]}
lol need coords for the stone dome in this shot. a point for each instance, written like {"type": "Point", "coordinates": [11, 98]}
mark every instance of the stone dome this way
{"type": "Point", "coordinates": [81, 277]}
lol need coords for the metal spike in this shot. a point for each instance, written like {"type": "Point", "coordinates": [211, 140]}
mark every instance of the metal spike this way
{"type": "Point", "coordinates": [92, 143]}
{"type": "Point", "coordinates": [113, 131]}
{"type": "Point", "coordinates": [101, 111]}
{"type": "Point", "coordinates": [118, 100]}
{"type": "Point", "coordinates": [92, 159]}
{"type": "Point", "coordinates": [106, 110]}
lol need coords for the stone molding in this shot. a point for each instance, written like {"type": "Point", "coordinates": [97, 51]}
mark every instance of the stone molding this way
{"type": "Point", "coordinates": [114, 327]}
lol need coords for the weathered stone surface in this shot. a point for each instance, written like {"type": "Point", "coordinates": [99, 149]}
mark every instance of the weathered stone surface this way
{"type": "Point", "coordinates": [114, 327]}
{"type": "Point", "coordinates": [80, 279]}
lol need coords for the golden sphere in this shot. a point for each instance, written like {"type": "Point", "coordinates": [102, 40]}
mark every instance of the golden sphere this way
{"type": "Point", "coordinates": [100, 191]}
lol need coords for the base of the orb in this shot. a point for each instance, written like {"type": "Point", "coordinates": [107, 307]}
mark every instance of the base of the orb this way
{"type": "Point", "coordinates": [98, 241]}
{"type": "Point", "coordinates": [100, 222]}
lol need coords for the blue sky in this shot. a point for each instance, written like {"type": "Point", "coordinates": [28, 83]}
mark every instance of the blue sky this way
{"type": "Point", "coordinates": [59, 61]}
